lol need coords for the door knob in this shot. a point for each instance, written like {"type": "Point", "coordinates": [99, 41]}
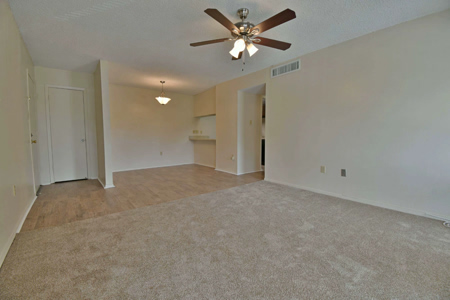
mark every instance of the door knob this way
{"type": "Point", "coordinates": [33, 141]}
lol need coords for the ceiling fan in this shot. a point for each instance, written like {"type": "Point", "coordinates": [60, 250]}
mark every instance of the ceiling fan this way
{"type": "Point", "coordinates": [246, 35]}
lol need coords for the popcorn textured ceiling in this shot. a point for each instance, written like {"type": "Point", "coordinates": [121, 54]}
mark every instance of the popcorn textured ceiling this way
{"type": "Point", "coordinates": [148, 41]}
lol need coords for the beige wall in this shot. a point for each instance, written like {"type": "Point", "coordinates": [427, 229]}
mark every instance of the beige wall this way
{"type": "Point", "coordinates": [249, 133]}
{"type": "Point", "coordinates": [62, 78]}
{"type": "Point", "coordinates": [227, 118]}
{"type": "Point", "coordinates": [15, 148]}
{"type": "Point", "coordinates": [205, 103]}
{"type": "Point", "coordinates": [206, 126]}
{"type": "Point", "coordinates": [103, 122]}
{"type": "Point", "coordinates": [379, 106]}
{"type": "Point", "coordinates": [142, 129]}
{"type": "Point", "coordinates": [205, 153]}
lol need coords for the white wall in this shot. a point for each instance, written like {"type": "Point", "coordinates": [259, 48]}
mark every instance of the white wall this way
{"type": "Point", "coordinates": [141, 128]}
{"type": "Point", "coordinates": [379, 106]}
{"type": "Point", "coordinates": [15, 148]}
{"type": "Point", "coordinates": [46, 76]}
{"type": "Point", "coordinates": [249, 132]}
{"type": "Point", "coordinates": [103, 124]}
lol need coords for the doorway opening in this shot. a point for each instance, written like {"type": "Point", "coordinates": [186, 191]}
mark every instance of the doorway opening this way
{"type": "Point", "coordinates": [250, 152]}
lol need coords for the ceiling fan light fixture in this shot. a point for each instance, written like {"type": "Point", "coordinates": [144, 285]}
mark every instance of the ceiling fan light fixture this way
{"type": "Point", "coordinates": [239, 46]}
{"type": "Point", "coordinates": [251, 49]}
{"type": "Point", "coordinates": [162, 99]}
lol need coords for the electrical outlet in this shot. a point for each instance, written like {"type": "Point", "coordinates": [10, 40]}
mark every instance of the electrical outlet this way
{"type": "Point", "coordinates": [343, 172]}
{"type": "Point", "coordinates": [14, 190]}
{"type": "Point", "coordinates": [323, 169]}
{"type": "Point", "coordinates": [160, 153]}
{"type": "Point", "coordinates": [251, 122]}
{"type": "Point", "coordinates": [232, 157]}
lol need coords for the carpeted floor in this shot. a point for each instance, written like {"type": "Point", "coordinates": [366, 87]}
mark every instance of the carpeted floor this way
{"type": "Point", "coordinates": [257, 241]}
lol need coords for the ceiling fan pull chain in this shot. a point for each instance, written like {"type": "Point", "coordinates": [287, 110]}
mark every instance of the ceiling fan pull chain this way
{"type": "Point", "coordinates": [243, 61]}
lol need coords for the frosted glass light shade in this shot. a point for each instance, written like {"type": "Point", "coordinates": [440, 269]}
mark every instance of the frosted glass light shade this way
{"type": "Point", "coordinates": [251, 49]}
{"type": "Point", "coordinates": [163, 100]}
{"type": "Point", "coordinates": [234, 52]}
{"type": "Point", "coordinates": [239, 46]}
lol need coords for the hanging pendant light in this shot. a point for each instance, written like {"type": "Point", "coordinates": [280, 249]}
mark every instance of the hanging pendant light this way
{"type": "Point", "coordinates": [162, 99]}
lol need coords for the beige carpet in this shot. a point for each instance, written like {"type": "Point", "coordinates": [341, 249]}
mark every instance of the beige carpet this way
{"type": "Point", "coordinates": [257, 241]}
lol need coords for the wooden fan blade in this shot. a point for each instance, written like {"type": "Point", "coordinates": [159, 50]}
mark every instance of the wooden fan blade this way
{"type": "Point", "coordinates": [272, 43]}
{"type": "Point", "coordinates": [239, 57]}
{"type": "Point", "coordinates": [282, 17]}
{"type": "Point", "coordinates": [209, 42]}
{"type": "Point", "coordinates": [217, 15]}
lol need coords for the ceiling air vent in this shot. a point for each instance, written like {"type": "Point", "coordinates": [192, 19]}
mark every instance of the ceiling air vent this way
{"type": "Point", "coordinates": [285, 69]}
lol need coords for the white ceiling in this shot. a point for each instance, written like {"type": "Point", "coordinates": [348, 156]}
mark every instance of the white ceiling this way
{"type": "Point", "coordinates": [149, 40]}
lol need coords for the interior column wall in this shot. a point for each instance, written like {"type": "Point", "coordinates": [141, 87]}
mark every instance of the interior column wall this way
{"type": "Point", "coordinates": [227, 118]}
{"type": "Point", "coordinates": [103, 122]}
{"type": "Point", "coordinates": [16, 175]}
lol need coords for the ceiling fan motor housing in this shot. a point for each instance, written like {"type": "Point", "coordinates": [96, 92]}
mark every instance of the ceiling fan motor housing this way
{"type": "Point", "coordinates": [244, 26]}
{"type": "Point", "coordinates": [243, 13]}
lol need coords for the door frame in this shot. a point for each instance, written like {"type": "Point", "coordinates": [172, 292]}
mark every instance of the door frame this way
{"type": "Point", "coordinates": [49, 132]}
{"type": "Point", "coordinates": [29, 97]}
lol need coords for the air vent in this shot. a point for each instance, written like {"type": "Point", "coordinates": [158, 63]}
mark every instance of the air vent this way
{"type": "Point", "coordinates": [286, 69]}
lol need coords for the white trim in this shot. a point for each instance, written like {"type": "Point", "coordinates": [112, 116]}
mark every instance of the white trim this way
{"type": "Point", "coordinates": [225, 171]}
{"type": "Point", "coordinates": [365, 201]}
{"type": "Point", "coordinates": [249, 172]}
{"type": "Point", "coordinates": [25, 216]}
{"type": "Point", "coordinates": [5, 249]}
{"type": "Point", "coordinates": [164, 166]}
{"type": "Point", "coordinates": [49, 134]}
{"type": "Point", "coordinates": [11, 238]}
{"type": "Point", "coordinates": [105, 186]}
{"type": "Point", "coordinates": [209, 166]}
{"type": "Point", "coordinates": [33, 171]}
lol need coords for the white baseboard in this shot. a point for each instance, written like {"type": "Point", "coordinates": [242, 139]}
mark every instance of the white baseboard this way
{"type": "Point", "coordinates": [225, 171]}
{"type": "Point", "coordinates": [10, 240]}
{"type": "Point", "coordinates": [154, 167]}
{"type": "Point", "coordinates": [249, 172]}
{"type": "Point", "coordinates": [204, 165]}
{"type": "Point", "coordinates": [6, 247]}
{"type": "Point", "coordinates": [19, 228]}
{"type": "Point", "coordinates": [390, 206]}
{"type": "Point", "coordinates": [105, 186]}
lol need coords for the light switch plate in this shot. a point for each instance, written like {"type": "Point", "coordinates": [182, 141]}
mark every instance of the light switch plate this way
{"type": "Point", "coordinates": [323, 169]}
{"type": "Point", "coordinates": [343, 172]}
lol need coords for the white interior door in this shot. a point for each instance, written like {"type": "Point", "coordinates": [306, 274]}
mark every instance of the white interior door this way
{"type": "Point", "coordinates": [68, 134]}
{"type": "Point", "coordinates": [32, 112]}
